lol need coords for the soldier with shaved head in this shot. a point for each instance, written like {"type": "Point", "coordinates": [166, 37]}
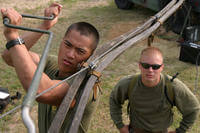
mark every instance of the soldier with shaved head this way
{"type": "Point", "coordinates": [151, 96]}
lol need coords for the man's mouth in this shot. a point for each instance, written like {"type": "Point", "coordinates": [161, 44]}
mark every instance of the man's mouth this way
{"type": "Point", "coordinates": [149, 75]}
{"type": "Point", "coordinates": [67, 63]}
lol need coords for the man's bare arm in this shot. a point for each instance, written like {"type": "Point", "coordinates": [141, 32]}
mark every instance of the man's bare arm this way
{"type": "Point", "coordinates": [25, 66]}
{"type": "Point", "coordinates": [25, 69]}
{"type": "Point", "coordinates": [31, 38]}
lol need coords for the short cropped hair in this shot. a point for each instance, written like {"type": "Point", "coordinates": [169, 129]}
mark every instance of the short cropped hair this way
{"type": "Point", "coordinates": [85, 29]}
{"type": "Point", "coordinates": [152, 49]}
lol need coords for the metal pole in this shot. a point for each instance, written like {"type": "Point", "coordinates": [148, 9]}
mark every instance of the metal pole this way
{"type": "Point", "coordinates": [28, 122]}
{"type": "Point", "coordinates": [30, 97]}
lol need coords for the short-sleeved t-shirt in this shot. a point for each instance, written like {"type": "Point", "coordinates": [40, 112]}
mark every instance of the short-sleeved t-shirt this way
{"type": "Point", "coordinates": [47, 112]}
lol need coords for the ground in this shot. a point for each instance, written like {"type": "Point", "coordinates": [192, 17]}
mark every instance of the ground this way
{"type": "Point", "coordinates": [111, 22]}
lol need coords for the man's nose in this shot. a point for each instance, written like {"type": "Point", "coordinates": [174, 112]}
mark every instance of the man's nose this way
{"type": "Point", "coordinates": [150, 69]}
{"type": "Point", "coordinates": [71, 53]}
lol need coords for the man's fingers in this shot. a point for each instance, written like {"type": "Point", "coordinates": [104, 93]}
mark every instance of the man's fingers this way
{"type": "Point", "coordinates": [59, 8]}
{"type": "Point", "coordinates": [57, 5]}
{"type": "Point", "coordinates": [52, 10]}
{"type": "Point", "coordinates": [14, 16]}
{"type": "Point", "coordinates": [4, 12]}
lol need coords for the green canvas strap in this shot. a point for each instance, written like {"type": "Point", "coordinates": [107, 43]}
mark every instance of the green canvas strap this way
{"type": "Point", "coordinates": [130, 90]}
{"type": "Point", "coordinates": [168, 90]}
{"type": "Point", "coordinates": [132, 84]}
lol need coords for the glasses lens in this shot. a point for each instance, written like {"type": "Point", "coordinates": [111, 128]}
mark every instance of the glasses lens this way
{"type": "Point", "coordinates": [147, 66]}
{"type": "Point", "coordinates": [156, 66]}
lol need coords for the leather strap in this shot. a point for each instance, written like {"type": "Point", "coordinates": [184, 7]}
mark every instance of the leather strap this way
{"type": "Point", "coordinates": [12, 43]}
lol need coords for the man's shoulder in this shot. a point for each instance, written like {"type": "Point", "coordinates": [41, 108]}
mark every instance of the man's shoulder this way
{"type": "Point", "coordinates": [177, 84]}
{"type": "Point", "coordinates": [127, 79]}
{"type": "Point", "coordinates": [52, 58]}
{"type": "Point", "coordinates": [51, 65]}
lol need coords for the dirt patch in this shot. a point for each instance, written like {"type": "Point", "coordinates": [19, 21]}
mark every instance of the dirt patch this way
{"type": "Point", "coordinates": [121, 28]}
{"type": "Point", "coordinates": [90, 4]}
{"type": "Point", "coordinates": [80, 5]}
{"type": "Point", "coordinates": [23, 4]}
{"type": "Point", "coordinates": [16, 125]}
{"type": "Point", "coordinates": [32, 4]}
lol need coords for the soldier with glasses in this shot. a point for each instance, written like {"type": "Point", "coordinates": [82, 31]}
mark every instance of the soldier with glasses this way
{"type": "Point", "coordinates": [150, 108]}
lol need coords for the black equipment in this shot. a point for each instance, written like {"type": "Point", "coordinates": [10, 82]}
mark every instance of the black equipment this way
{"type": "Point", "coordinates": [190, 52]}
{"type": "Point", "coordinates": [192, 33]}
{"type": "Point", "coordinates": [5, 98]}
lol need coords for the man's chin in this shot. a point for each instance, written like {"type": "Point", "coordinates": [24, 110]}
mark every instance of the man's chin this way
{"type": "Point", "coordinates": [65, 69]}
{"type": "Point", "coordinates": [150, 79]}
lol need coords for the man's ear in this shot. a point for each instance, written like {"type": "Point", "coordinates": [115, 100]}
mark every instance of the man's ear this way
{"type": "Point", "coordinates": [139, 65]}
{"type": "Point", "coordinates": [79, 65]}
{"type": "Point", "coordinates": [162, 67]}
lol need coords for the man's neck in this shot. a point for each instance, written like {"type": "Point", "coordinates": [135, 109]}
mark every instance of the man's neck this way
{"type": "Point", "coordinates": [150, 83]}
{"type": "Point", "coordinates": [63, 75]}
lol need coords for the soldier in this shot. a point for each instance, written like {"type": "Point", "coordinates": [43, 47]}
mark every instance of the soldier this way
{"type": "Point", "coordinates": [149, 98]}
{"type": "Point", "coordinates": [77, 45]}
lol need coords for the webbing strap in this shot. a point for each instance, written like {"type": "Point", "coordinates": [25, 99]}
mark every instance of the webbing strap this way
{"type": "Point", "coordinates": [130, 90]}
{"type": "Point", "coordinates": [97, 85]}
{"type": "Point", "coordinates": [168, 90]}
{"type": "Point", "coordinates": [131, 85]}
{"type": "Point", "coordinates": [169, 97]}
{"type": "Point", "coordinates": [84, 64]}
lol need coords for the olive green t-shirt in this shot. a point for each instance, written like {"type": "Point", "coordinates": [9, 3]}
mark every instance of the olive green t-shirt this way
{"type": "Point", "coordinates": [149, 108]}
{"type": "Point", "coordinates": [47, 112]}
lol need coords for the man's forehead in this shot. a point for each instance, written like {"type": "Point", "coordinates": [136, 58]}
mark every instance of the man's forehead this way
{"type": "Point", "coordinates": [151, 53]}
{"type": "Point", "coordinates": [151, 56]}
{"type": "Point", "coordinates": [79, 33]}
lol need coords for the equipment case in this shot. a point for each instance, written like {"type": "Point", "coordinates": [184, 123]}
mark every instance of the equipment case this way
{"type": "Point", "coordinates": [190, 52]}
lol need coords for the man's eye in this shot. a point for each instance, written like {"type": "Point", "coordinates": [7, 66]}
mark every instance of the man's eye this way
{"type": "Point", "coordinates": [81, 51]}
{"type": "Point", "coordinates": [67, 44]}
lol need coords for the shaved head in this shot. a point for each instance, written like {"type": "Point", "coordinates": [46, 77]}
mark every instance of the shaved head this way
{"type": "Point", "coordinates": [150, 51]}
{"type": "Point", "coordinates": [151, 56]}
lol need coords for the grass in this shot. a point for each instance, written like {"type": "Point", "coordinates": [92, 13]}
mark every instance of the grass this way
{"type": "Point", "coordinates": [111, 22]}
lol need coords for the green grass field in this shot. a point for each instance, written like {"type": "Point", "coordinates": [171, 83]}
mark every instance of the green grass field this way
{"type": "Point", "coordinates": [111, 22]}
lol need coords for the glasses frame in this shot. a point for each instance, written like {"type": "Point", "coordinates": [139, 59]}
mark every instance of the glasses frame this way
{"type": "Point", "coordinates": [153, 66]}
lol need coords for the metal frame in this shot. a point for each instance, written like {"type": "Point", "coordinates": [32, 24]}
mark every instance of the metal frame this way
{"type": "Point", "coordinates": [32, 90]}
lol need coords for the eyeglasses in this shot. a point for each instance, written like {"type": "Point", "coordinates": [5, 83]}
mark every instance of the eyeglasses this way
{"type": "Point", "coordinates": [153, 66]}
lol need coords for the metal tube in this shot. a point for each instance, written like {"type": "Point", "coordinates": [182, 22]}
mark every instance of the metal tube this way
{"type": "Point", "coordinates": [30, 97]}
{"type": "Point", "coordinates": [27, 120]}
{"type": "Point", "coordinates": [38, 17]}
{"type": "Point", "coordinates": [6, 23]}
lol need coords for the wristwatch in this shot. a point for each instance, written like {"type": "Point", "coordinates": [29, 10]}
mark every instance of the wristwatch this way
{"type": "Point", "coordinates": [12, 43]}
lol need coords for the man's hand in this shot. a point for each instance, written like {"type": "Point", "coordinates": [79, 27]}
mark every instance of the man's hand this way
{"type": "Point", "coordinates": [53, 9]}
{"type": "Point", "coordinates": [124, 129]}
{"type": "Point", "coordinates": [15, 19]}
